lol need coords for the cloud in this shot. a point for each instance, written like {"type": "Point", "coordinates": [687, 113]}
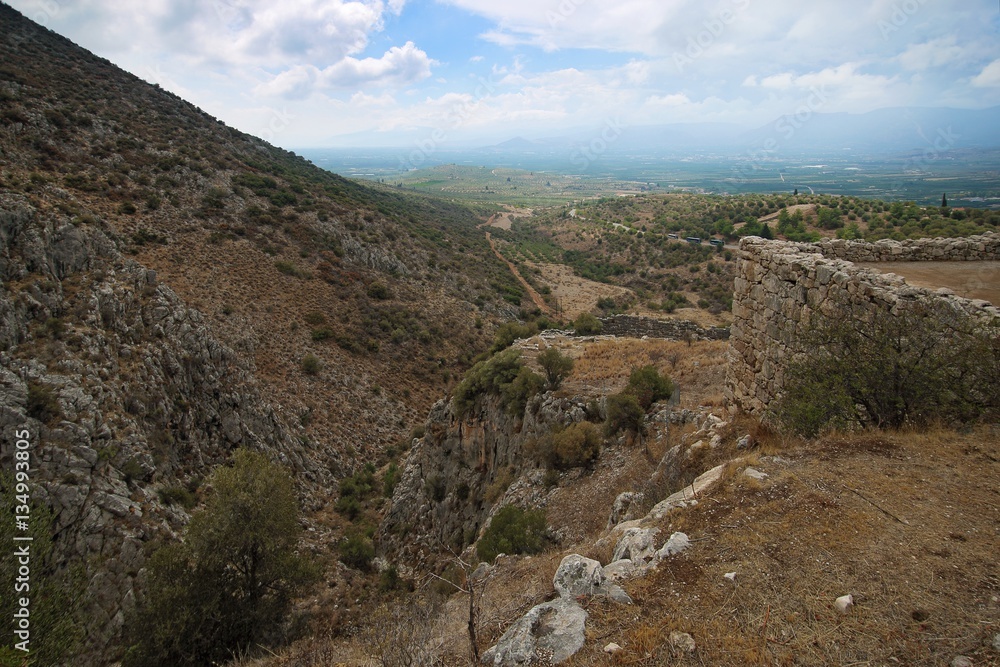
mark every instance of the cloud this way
{"type": "Point", "coordinates": [399, 66]}
{"type": "Point", "coordinates": [933, 53]}
{"type": "Point", "coordinates": [989, 77]}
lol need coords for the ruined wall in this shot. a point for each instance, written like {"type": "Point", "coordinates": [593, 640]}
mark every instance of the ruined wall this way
{"type": "Point", "coordinates": [631, 326]}
{"type": "Point", "coordinates": [779, 285]}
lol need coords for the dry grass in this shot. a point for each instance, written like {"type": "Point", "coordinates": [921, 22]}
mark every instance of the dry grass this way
{"type": "Point", "coordinates": [602, 367]}
{"type": "Point", "coordinates": [906, 523]}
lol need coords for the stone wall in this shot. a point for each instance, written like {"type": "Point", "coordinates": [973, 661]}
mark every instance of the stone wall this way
{"type": "Point", "coordinates": [631, 326]}
{"type": "Point", "coordinates": [779, 285]}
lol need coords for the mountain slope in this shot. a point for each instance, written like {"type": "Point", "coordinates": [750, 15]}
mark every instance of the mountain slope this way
{"type": "Point", "coordinates": [174, 289]}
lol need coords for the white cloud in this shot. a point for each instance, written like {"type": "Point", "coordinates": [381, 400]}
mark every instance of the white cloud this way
{"type": "Point", "coordinates": [989, 77]}
{"type": "Point", "coordinates": [933, 53]}
{"type": "Point", "coordinates": [398, 66]}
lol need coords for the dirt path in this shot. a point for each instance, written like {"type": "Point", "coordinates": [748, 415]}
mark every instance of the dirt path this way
{"type": "Point", "coordinates": [536, 298]}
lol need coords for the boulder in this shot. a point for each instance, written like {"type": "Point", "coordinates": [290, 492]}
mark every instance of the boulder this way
{"type": "Point", "coordinates": [552, 631]}
{"type": "Point", "coordinates": [677, 543]}
{"type": "Point", "coordinates": [636, 544]}
{"type": "Point", "coordinates": [578, 575]}
{"type": "Point", "coordinates": [626, 507]}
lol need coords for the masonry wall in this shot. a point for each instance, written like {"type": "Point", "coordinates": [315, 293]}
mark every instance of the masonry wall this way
{"type": "Point", "coordinates": [632, 326]}
{"type": "Point", "coordinates": [780, 285]}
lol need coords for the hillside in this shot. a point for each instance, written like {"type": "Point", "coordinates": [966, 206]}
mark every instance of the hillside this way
{"type": "Point", "coordinates": [174, 289]}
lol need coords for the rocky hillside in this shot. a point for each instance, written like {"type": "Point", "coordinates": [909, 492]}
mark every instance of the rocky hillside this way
{"type": "Point", "coordinates": [173, 289]}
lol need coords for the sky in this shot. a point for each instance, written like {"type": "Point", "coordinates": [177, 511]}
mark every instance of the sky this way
{"type": "Point", "coordinates": [329, 73]}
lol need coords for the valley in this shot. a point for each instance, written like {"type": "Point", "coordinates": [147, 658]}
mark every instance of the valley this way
{"type": "Point", "coordinates": [285, 417]}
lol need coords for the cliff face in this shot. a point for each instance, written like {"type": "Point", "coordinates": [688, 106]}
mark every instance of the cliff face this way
{"type": "Point", "coordinates": [125, 393]}
{"type": "Point", "coordinates": [462, 470]}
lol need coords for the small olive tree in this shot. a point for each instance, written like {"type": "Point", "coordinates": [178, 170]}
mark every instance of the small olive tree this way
{"type": "Point", "coordinates": [556, 366]}
{"type": "Point", "coordinates": [229, 585]}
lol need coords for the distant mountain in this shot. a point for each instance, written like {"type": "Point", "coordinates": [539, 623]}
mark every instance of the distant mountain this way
{"type": "Point", "coordinates": [891, 130]}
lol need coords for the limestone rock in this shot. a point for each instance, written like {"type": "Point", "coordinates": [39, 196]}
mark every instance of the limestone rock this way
{"type": "Point", "coordinates": [636, 544]}
{"type": "Point", "coordinates": [552, 631]}
{"type": "Point", "coordinates": [961, 661]}
{"type": "Point", "coordinates": [626, 507]}
{"type": "Point", "coordinates": [612, 648]}
{"type": "Point", "coordinates": [578, 575]}
{"type": "Point", "coordinates": [677, 543]}
{"type": "Point", "coordinates": [844, 603]}
{"type": "Point", "coordinates": [682, 641]}
{"type": "Point", "coordinates": [753, 473]}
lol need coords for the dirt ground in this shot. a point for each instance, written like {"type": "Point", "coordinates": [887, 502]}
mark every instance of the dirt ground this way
{"type": "Point", "coordinates": [574, 294]}
{"type": "Point", "coordinates": [972, 280]}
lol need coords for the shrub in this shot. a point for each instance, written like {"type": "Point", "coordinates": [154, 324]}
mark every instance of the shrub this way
{"type": "Point", "coordinates": [177, 495]}
{"type": "Point", "coordinates": [873, 368]}
{"type": "Point", "coordinates": [575, 446]}
{"type": "Point", "coordinates": [357, 551]}
{"type": "Point", "coordinates": [648, 386]}
{"type": "Point", "coordinates": [517, 394]}
{"type": "Point", "coordinates": [378, 290]}
{"type": "Point", "coordinates": [556, 366]}
{"type": "Point", "coordinates": [322, 333]}
{"type": "Point", "coordinates": [311, 364]}
{"type": "Point", "coordinates": [486, 377]}
{"type": "Point", "coordinates": [624, 414]}
{"type": "Point", "coordinates": [42, 403]}
{"type": "Point", "coordinates": [231, 582]}
{"type": "Point", "coordinates": [390, 479]}
{"type": "Point", "coordinates": [586, 325]}
{"type": "Point", "coordinates": [512, 531]}
{"type": "Point", "coordinates": [508, 332]}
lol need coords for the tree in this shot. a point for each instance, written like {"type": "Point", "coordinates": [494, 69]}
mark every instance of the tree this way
{"type": "Point", "coordinates": [765, 232]}
{"type": "Point", "coordinates": [624, 413]}
{"type": "Point", "coordinates": [229, 585]}
{"type": "Point", "coordinates": [556, 366]}
{"type": "Point", "coordinates": [944, 200]}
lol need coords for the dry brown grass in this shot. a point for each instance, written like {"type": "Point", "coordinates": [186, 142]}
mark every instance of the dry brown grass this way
{"type": "Point", "coordinates": [602, 367]}
{"type": "Point", "coordinates": [906, 523]}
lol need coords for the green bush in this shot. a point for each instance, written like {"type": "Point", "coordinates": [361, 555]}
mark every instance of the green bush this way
{"type": "Point", "coordinates": [357, 551]}
{"type": "Point", "coordinates": [508, 332]}
{"type": "Point", "coordinates": [587, 325]}
{"type": "Point", "coordinates": [624, 414]}
{"type": "Point", "coordinates": [311, 364]}
{"type": "Point", "coordinates": [517, 394]}
{"type": "Point", "coordinates": [513, 531]}
{"type": "Point", "coordinates": [177, 495]}
{"type": "Point", "coordinates": [648, 386]}
{"type": "Point", "coordinates": [487, 377]}
{"type": "Point", "coordinates": [556, 366]}
{"type": "Point", "coordinates": [577, 445]}
{"type": "Point", "coordinates": [378, 290]}
{"type": "Point", "coordinates": [872, 368]}
{"type": "Point", "coordinates": [390, 479]}
{"type": "Point", "coordinates": [43, 404]}
{"type": "Point", "coordinates": [56, 591]}
{"type": "Point", "coordinates": [229, 585]}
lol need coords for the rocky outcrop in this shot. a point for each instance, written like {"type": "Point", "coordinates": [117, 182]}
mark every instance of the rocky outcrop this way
{"type": "Point", "coordinates": [462, 470]}
{"type": "Point", "coordinates": [128, 398]}
{"type": "Point", "coordinates": [780, 286]}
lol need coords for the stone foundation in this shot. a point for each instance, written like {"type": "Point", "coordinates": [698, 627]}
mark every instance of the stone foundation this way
{"type": "Point", "coordinates": [779, 285]}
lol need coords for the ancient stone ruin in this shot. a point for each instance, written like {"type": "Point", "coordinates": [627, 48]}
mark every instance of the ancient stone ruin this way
{"type": "Point", "coordinates": [780, 285]}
